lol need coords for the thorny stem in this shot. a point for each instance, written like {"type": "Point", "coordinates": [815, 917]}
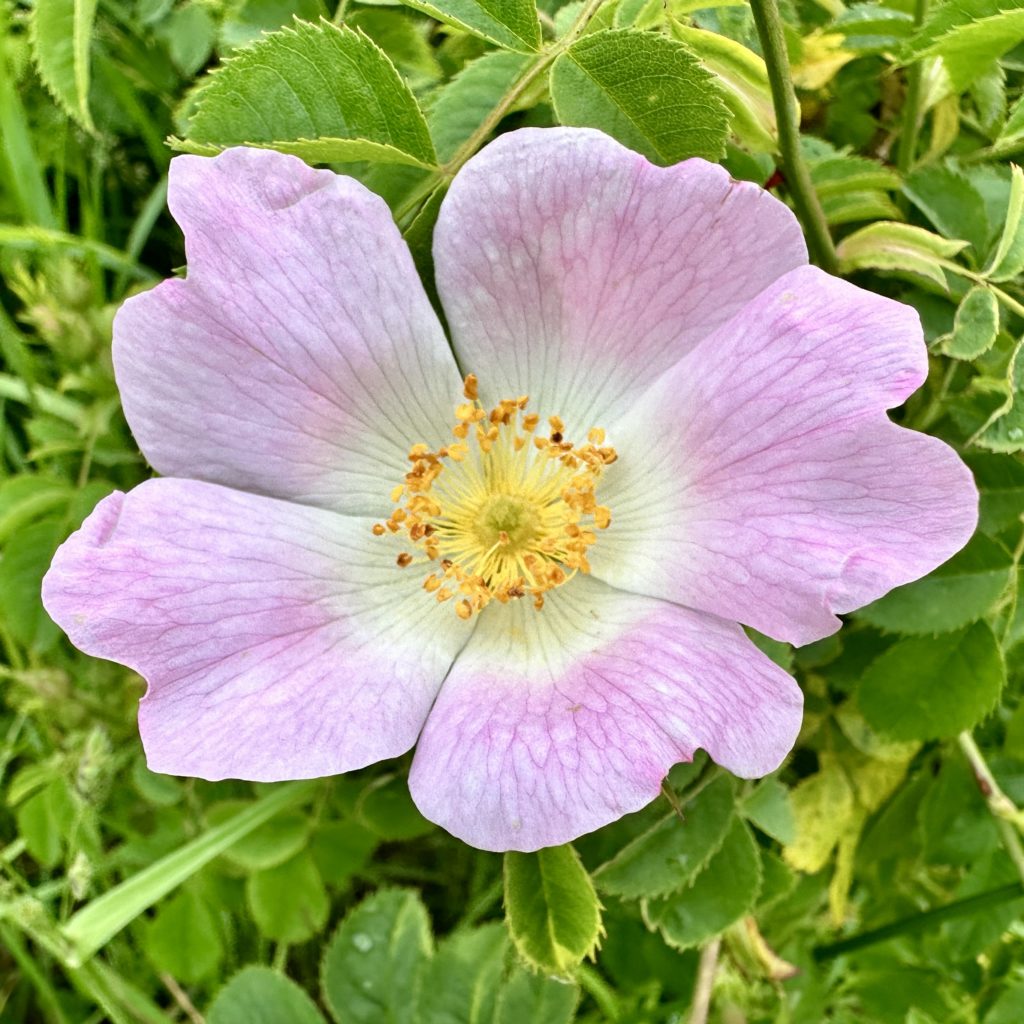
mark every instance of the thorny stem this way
{"type": "Point", "coordinates": [1008, 816]}
{"type": "Point", "coordinates": [787, 114]}
{"type": "Point", "coordinates": [540, 64]}
{"type": "Point", "coordinates": [907, 149]}
{"type": "Point", "coordinates": [701, 1004]}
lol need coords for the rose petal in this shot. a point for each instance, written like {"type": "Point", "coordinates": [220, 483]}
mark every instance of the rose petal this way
{"type": "Point", "coordinates": [300, 358]}
{"type": "Point", "coordinates": [555, 723]}
{"type": "Point", "coordinates": [573, 270]}
{"type": "Point", "coordinates": [279, 641]}
{"type": "Point", "coordinates": [761, 480]}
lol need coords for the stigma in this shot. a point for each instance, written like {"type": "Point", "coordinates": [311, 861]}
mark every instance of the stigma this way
{"type": "Point", "coordinates": [507, 510]}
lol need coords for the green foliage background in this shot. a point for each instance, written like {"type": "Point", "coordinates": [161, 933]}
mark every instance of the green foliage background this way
{"type": "Point", "coordinates": [877, 877]}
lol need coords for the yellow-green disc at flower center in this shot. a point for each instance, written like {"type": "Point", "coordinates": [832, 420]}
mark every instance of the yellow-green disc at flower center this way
{"type": "Point", "coordinates": [503, 511]}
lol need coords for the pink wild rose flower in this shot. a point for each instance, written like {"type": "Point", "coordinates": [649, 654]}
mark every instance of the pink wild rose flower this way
{"type": "Point", "coordinates": [670, 424]}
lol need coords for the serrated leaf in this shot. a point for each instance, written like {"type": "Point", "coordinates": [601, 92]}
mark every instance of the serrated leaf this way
{"type": "Point", "coordinates": [552, 911]}
{"type": "Point", "coordinates": [744, 85]}
{"type": "Point", "coordinates": [669, 855]}
{"type": "Point", "coordinates": [531, 997]}
{"type": "Point", "coordinates": [258, 995]}
{"type": "Point", "coordinates": [288, 902]}
{"type": "Point", "coordinates": [403, 37]}
{"type": "Point", "coordinates": [923, 689]}
{"type": "Point", "coordinates": [1008, 259]}
{"type": "Point", "coordinates": [460, 984]}
{"type": "Point", "coordinates": [460, 107]}
{"type": "Point", "coordinates": [61, 32]}
{"type": "Point", "coordinates": [509, 23]}
{"type": "Point", "coordinates": [183, 939]}
{"type": "Point", "coordinates": [645, 90]}
{"type": "Point", "coordinates": [902, 247]}
{"type": "Point", "coordinates": [1004, 430]}
{"type": "Point", "coordinates": [823, 808]}
{"type": "Point", "coordinates": [971, 41]}
{"type": "Point", "coordinates": [1013, 129]}
{"type": "Point", "coordinates": [321, 92]}
{"type": "Point", "coordinates": [956, 594]}
{"type": "Point", "coordinates": [371, 971]}
{"type": "Point", "coordinates": [720, 895]}
{"type": "Point", "coordinates": [975, 327]}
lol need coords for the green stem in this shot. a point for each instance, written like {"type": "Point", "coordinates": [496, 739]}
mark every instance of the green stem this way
{"type": "Point", "coordinates": [919, 922]}
{"type": "Point", "coordinates": [1008, 816]}
{"type": "Point", "coordinates": [906, 152]}
{"type": "Point", "coordinates": [787, 114]}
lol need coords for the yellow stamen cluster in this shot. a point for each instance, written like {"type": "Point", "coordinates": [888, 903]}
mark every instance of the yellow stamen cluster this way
{"type": "Point", "coordinates": [503, 510]}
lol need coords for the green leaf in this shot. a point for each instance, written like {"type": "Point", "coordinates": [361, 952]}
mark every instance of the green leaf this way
{"type": "Point", "coordinates": [552, 911]}
{"type": "Point", "coordinates": [923, 689]}
{"type": "Point", "coordinates": [645, 90]}
{"type": "Point", "coordinates": [371, 971]}
{"type": "Point", "coordinates": [288, 902]}
{"type": "Point", "coordinates": [823, 809]}
{"type": "Point", "coordinates": [44, 820]}
{"type": "Point", "coordinates": [385, 807]}
{"type": "Point", "coordinates": [271, 844]}
{"type": "Point", "coordinates": [23, 563]}
{"type": "Point", "coordinates": [720, 895]}
{"type": "Point", "coordinates": [1008, 259]}
{"type": "Point", "coordinates": [1004, 430]}
{"type": "Point", "coordinates": [902, 247]}
{"type": "Point", "coordinates": [770, 809]}
{"type": "Point", "coordinates": [403, 38]}
{"type": "Point", "coordinates": [61, 33]}
{"type": "Point", "coordinates": [97, 922]}
{"type": "Point", "coordinates": [24, 498]}
{"type": "Point", "coordinates": [509, 23]}
{"type": "Point", "coordinates": [258, 995]}
{"type": "Point", "coordinates": [1001, 485]}
{"type": "Point", "coordinates": [531, 997]}
{"type": "Point", "coordinates": [246, 21]}
{"type": "Point", "coordinates": [975, 328]}
{"type": "Point", "coordinates": [460, 985]}
{"type": "Point", "coordinates": [323, 93]}
{"type": "Point", "coordinates": [670, 854]}
{"type": "Point", "coordinates": [183, 939]}
{"type": "Point", "coordinates": [743, 79]}
{"type": "Point", "coordinates": [342, 849]}
{"type": "Point", "coordinates": [461, 106]}
{"type": "Point", "coordinates": [1012, 132]}
{"type": "Point", "coordinates": [956, 594]}
{"type": "Point", "coordinates": [971, 43]}
{"type": "Point", "coordinates": [952, 203]}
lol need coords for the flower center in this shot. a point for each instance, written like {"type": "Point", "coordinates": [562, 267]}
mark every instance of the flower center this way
{"type": "Point", "coordinates": [503, 511]}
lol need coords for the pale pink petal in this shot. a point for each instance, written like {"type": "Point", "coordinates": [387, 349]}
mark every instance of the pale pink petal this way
{"type": "Point", "coordinates": [554, 723]}
{"type": "Point", "coordinates": [300, 358]}
{"type": "Point", "coordinates": [279, 641]}
{"type": "Point", "coordinates": [761, 480]}
{"type": "Point", "coordinates": [573, 270]}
